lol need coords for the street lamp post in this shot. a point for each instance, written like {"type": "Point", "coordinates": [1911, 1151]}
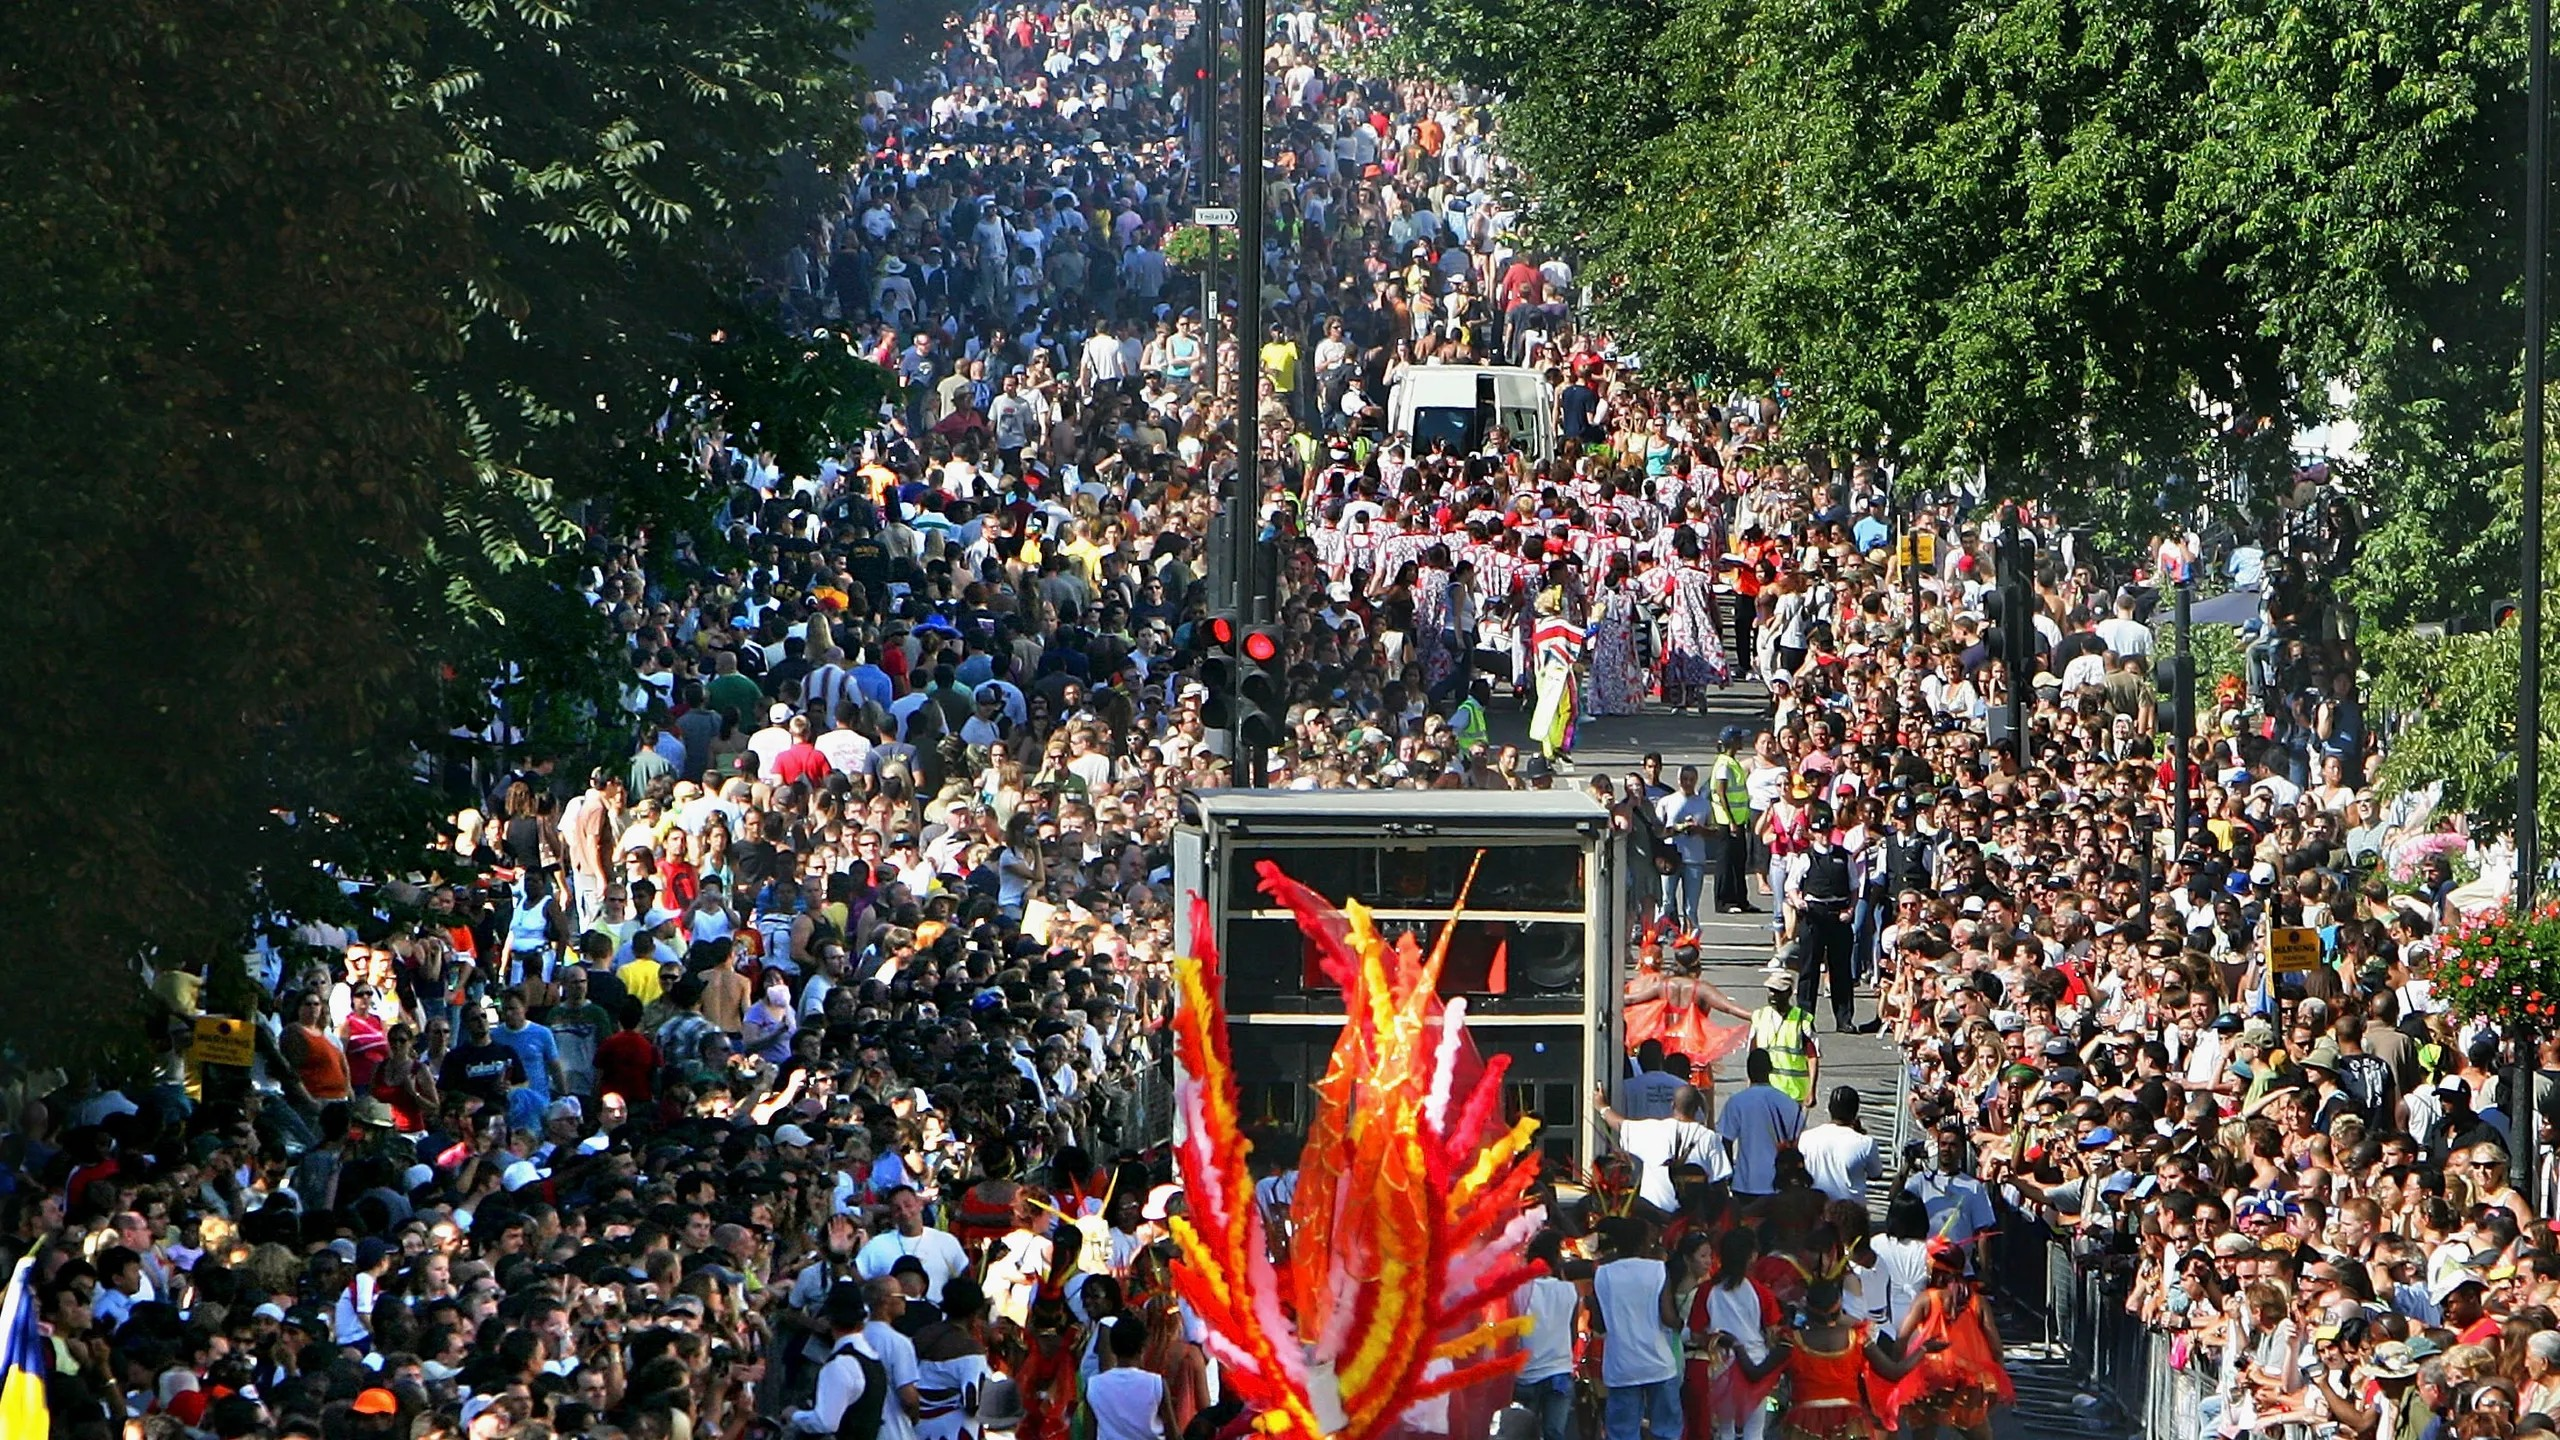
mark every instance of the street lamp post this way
{"type": "Point", "coordinates": [2523, 1124]}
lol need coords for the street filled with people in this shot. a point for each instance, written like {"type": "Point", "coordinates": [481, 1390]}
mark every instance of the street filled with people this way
{"type": "Point", "coordinates": [800, 1069]}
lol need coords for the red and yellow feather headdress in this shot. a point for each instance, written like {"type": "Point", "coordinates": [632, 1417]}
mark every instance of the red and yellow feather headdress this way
{"type": "Point", "coordinates": [1410, 1214]}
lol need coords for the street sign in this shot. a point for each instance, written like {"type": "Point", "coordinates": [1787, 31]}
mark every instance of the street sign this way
{"type": "Point", "coordinates": [2293, 949]}
{"type": "Point", "coordinates": [1920, 549]}
{"type": "Point", "coordinates": [221, 1040]}
{"type": "Point", "coordinates": [1213, 214]}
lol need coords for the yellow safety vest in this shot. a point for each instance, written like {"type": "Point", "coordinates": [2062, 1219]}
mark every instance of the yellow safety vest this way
{"type": "Point", "coordinates": [1786, 1037]}
{"type": "Point", "coordinates": [1470, 725]}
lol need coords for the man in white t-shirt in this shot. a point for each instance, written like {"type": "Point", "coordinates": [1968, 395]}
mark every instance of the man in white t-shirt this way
{"type": "Point", "coordinates": [2122, 634]}
{"type": "Point", "coordinates": [939, 1250]}
{"type": "Point", "coordinates": [1682, 1139]}
{"type": "Point", "coordinates": [1128, 1401]}
{"type": "Point", "coordinates": [1544, 1385]}
{"type": "Point", "coordinates": [1641, 1366]}
{"type": "Point", "coordinates": [1840, 1156]}
{"type": "Point", "coordinates": [897, 1356]}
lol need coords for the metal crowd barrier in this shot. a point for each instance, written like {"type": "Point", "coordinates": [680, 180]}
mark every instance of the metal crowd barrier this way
{"type": "Point", "coordinates": [2127, 1373]}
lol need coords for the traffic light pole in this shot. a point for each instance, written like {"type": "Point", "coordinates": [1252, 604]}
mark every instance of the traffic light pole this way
{"type": "Point", "coordinates": [2528, 882]}
{"type": "Point", "coordinates": [2015, 560]}
{"type": "Point", "coordinates": [2182, 714]}
{"type": "Point", "coordinates": [1212, 170]}
{"type": "Point", "coordinates": [1245, 503]}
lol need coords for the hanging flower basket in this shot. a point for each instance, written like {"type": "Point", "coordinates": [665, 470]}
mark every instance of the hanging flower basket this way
{"type": "Point", "coordinates": [2502, 967]}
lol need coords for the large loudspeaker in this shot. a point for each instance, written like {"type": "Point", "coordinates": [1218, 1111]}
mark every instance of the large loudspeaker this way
{"type": "Point", "coordinates": [1275, 1065]}
{"type": "Point", "coordinates": [1528, 953]}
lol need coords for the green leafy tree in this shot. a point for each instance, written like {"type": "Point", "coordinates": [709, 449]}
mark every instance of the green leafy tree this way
{"type": "Point", "coordinates": [2096, 250]}
{"type": "Point", "coordinates": [2451, 706]}
{"type": "Point", "coordinates": [332, 332]}
{"type": "Point", "coordinates": [229, 254]}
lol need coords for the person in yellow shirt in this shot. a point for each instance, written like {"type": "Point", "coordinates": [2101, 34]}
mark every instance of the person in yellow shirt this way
{"type": "Point", "coordinates": [1085, 551]}
{"type": "Point", "coordinates": [1280, 364]}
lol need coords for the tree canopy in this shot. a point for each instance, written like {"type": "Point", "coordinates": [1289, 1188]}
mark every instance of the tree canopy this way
{"type": "Point", "coordinates": [2089, 248]}
{"type": "Point", "coordinates": [333, 330]}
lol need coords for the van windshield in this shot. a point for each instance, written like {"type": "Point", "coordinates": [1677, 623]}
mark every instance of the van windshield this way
{"type": "Point", "coordinates": [1452, 423]}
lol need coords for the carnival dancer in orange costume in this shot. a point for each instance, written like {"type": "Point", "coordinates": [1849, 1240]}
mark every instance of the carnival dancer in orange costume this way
{"type": "Point", "coordinates": [1840, 1377]}
{"type": "Point", "coordinates": [1670, 1002]}
{"type": "Point", "coordinates": [1958, 1380]}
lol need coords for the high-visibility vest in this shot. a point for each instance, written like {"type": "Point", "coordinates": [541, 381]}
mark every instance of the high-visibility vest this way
{"type": "Point", "coordinates": [1470, 725]}
{"type": "Point", "coordinates": [1787, 1037]}
{"type": "Point", "coordinates": [1730, 790]}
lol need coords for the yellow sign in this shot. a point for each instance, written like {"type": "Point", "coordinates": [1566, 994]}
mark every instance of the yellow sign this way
{"type": "Point", "coordinates": [221, 1040]}
{"type": "Point", "coordinates": [2293, 949]}
{"type": "Point", "coordinates": [1919, 548]}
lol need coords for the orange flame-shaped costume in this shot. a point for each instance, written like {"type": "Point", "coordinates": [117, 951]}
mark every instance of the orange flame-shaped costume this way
{"type": "Point", "coordinates": [1409, 1219]}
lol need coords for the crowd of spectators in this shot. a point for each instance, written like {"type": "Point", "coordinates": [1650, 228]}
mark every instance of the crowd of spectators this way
{"type": "Point", "coordinates": [798, 1069]}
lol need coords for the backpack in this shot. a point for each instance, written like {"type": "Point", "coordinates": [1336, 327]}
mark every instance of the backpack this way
{"type": "Point", "coordinates": [861, 1419]}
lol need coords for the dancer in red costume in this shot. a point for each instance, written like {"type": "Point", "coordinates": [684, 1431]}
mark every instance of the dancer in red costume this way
{"type": "Point", "coordinates": [1840, 1377]}
{"type": "Point", "coordinates": [1045, 1374]}
{"type": "Point", "coordinates": [1962, 1375]}
{"type": "Point", "coordinates": [1670, 1003]}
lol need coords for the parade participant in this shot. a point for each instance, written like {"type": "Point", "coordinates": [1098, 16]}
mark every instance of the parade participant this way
{"type": "Point", "coordinates": [1960, 1375]}
{"type": "Point", "coordinates": [1555, 645]}
{"type": "Point", "coordinates": [1693, 655]}
{"type": "Point", "coordinates": [1738, 1346]}
{"type": "Point", "coordinates": [1839, 1375]}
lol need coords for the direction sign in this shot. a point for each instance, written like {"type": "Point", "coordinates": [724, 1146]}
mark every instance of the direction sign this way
{"type": "Point", "coordinates": [1213, 214]}
{"type": "Point", "coordinates": [2293, 949]}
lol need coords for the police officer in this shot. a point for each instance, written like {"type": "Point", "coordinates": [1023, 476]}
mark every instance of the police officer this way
{"type": "Point", "coordinates": [1824, 899]}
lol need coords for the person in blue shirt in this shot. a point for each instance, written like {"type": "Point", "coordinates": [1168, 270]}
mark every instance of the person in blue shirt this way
{"type": "Point", "coordinates": [534, 1046]}
{"type": "Point", "coordinates": [1873, 531]}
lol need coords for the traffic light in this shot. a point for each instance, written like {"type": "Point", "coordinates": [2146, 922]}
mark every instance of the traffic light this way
{"type": "Point", "coordinates": [2177, 686]}
{"type": "Point", "coordinates": [2018, 602]}
{"type": "Point", "coordinates": [1218, 669]}
{"type": "Point", "coordinates": [1262, 688]}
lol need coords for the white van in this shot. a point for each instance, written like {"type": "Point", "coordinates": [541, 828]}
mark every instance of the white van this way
{"type": "Point", "coordinates": [1461, 403]}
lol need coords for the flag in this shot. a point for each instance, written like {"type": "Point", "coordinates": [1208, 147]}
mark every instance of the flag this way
{"type": "Point", "coordinates": [24, 1358]}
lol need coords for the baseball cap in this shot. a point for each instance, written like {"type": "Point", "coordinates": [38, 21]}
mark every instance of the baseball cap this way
{"type": "Point", "coordinates": [376, 1401]}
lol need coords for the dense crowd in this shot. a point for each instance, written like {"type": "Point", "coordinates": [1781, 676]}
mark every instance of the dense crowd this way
{"type": "Point", "coordinates": [799, 1070]}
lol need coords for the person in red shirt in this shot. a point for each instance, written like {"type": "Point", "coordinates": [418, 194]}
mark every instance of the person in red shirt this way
{"type": "Point", "coordinates": [800, 762]}
{"type": "Point", "coordinates": [627, 1061]}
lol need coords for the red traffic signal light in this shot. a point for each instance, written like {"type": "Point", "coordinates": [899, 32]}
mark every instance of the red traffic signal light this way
{"type": "Point", "coordinates": [1222, 630]}
{"type": "Point", "coordinates": [1261, 646]}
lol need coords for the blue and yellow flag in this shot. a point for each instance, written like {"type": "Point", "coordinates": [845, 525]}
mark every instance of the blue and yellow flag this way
{"type": "Point", "coordinates": [24, 1358]}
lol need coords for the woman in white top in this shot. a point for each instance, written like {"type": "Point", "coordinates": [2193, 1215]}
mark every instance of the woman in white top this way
{"type": "Point", "coordinates": [1128, 1403]}
{"type": "Point", "coordinates": [1902, 1255]}
{"type": "Point", "coordinates": [1730, 1324]}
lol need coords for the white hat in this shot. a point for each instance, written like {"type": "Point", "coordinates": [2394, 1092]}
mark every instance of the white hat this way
{"type": "Point", "coordinates": [269, 1311]}
{"type": "Point", "coordinates": [1158, 1200]}
{"type": "Point", "coordinates": [519, 1175]}
{"type": "Point", "coordinates": [779, 713]}
{"type": "Point", "coordinates": [594, 1145]}
{"type": "Point", "coordinates": [792, 1135]}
